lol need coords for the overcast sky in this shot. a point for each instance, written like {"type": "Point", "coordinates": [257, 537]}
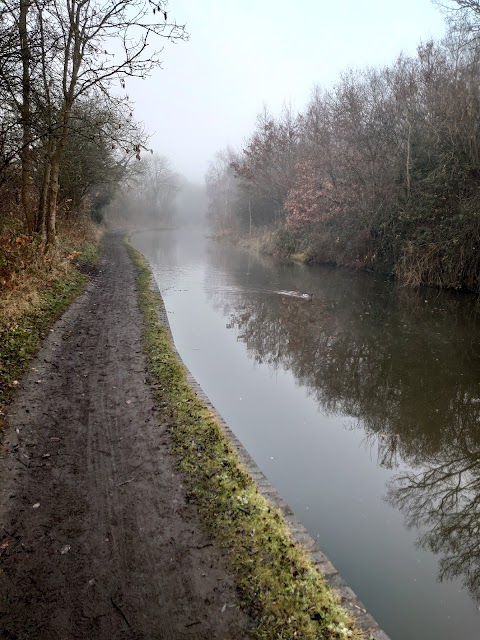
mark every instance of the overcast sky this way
{"type": "Point", "coordinates": [243, 54]}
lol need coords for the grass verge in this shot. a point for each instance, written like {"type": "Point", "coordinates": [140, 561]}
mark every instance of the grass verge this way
{"type": "Point", "coordinates": [45, 287]}
{"type": "Point", "coordinates": [279, 584]}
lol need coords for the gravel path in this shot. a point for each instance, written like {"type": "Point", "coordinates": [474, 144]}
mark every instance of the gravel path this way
{"type": "Point", "coordinates": [97, 540]}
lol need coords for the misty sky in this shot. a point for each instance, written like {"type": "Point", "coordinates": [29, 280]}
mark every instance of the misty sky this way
{"type": "Point", "coordinates": [244, 54]}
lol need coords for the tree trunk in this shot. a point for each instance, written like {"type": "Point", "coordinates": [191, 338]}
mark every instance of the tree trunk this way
{"type": "Point", "coordinates": [42, 209]}
{"type": "Point", "coordinates": [51, 210]}
{"type": "Point", "coordinates": [408, 158]}
{"type": "Point", "coordinates": [55, 154]}
{"type": "Point", "coordinates": [26, 117]}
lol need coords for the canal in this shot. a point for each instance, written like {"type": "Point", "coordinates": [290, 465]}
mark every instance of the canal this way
{"type": "Point", "coordinates": [362, 407]}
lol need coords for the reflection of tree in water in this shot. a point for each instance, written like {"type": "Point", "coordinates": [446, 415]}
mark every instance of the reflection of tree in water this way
{"type": "Point", "coordinates": [412, 385]}
{"type": "Point", "coordinates": [387, 447]}
{"type": "Point", "coordinates": [369, 365]}
{"type": "Point", "coordinates": [444, 502]}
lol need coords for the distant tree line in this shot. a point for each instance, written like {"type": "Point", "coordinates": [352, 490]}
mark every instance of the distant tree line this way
{"type": "Point", "coordinates": [67, 132]}
{"type": "Point", "coordinates": [380, 172]}
{"type": "Point", "coordinates": [146, 197]}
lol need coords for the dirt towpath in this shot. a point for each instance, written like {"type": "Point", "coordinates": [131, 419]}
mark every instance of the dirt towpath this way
{"type": "Point", "coordinates": [97, 540]}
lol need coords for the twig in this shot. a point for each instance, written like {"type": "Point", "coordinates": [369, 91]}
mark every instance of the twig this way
{"type": "Point", "coordinates": [120, 612]}
{"type": "Point", "coordinates": [18, 459]}
{"type": "Point", "coordinates": [192, 624]}
{"type": "Point", "coordinates": [125, 482]}
{"type": "Point", "coordinates": [204, 546]}
{"type": "Point", "coordinates": [138, 465]}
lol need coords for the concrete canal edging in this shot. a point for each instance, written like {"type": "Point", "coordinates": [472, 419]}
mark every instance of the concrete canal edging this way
{"type": "Point", "coordinates": [349, 600]}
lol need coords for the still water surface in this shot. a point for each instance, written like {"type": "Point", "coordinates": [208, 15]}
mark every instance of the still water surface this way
{"type": "Point", "coordinates": [361, 406]}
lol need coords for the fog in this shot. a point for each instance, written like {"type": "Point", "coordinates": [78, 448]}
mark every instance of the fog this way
{"type": "Point", "coordinates": [243, 55]}
{"type": "Point", "coordinates": [154, 195]}
{"type": "Point", "coordinates": [191, 204]}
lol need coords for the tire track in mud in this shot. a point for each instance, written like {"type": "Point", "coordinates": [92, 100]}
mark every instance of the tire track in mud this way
{"type": "Point", "coordinates": [113, 550]}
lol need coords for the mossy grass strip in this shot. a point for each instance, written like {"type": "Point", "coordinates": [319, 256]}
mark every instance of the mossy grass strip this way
{"type": "Point", "coordinates": [279, 585]}
{"type": "Point", "coordinates": [20, 338]}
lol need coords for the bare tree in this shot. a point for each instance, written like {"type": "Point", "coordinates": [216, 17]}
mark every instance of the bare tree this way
{"type": "Point", "coordinates": [266, 167]}
{"type": "Point", "coordinates": [69, 49]}
{"type": "Point", "coordinates": [157, 187]}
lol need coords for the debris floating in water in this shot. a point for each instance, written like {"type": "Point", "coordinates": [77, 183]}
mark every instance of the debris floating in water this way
{"type": "Point", "coordinates": [295, 294]}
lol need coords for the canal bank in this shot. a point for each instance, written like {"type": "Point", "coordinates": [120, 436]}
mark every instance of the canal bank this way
{"type": "Point", "coordinates": [278, 562]}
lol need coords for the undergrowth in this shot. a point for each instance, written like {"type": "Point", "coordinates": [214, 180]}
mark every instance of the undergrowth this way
{"type": "Point", "coordinates": [279, 585]}
{"type": "Point", "coordinates": [35, 288]}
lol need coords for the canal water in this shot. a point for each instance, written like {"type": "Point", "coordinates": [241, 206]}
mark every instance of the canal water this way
{"type": "Point", "coordinates": [362, 407]}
